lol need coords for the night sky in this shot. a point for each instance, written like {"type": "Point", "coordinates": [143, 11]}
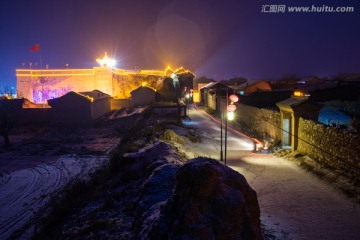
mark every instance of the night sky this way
{"type": "Point", "coordinates": [218, 39]}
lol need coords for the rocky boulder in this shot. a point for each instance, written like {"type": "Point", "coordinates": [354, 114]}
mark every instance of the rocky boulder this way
{"type": "Point", "coordinates": [210, 201]}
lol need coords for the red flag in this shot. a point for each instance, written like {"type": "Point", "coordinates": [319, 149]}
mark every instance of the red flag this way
{"type": "Point", "coordinates": [36, 47]}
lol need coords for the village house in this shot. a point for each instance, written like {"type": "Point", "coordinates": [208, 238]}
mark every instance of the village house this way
{"type": "Point", "coordinates": [142, 96]}
{"type": "Point", "coordinates": [79, 109]}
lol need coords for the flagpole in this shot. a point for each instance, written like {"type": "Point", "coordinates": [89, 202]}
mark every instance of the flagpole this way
{"type": "Point", "coordinates": [40, 61]}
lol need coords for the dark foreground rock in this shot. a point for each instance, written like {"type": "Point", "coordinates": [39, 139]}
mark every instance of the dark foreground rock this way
{"type": "Point", "coordinates": [210, 201]}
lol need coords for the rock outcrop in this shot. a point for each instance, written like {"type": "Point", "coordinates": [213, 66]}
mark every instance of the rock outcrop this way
{"type": "Point", "coordinates": [209, 201]}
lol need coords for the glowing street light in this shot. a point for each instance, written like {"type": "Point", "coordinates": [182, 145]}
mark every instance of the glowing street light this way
{"type": "Point", "coordinates": [106, 61]}
{"type": "Point", "coordinates": [230, 108]}
{"type": "Point", "coordinates": [230, 116]}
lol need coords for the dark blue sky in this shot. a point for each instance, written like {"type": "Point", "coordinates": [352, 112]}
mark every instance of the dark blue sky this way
{"type": "Point", "coordinates": [218, 39]}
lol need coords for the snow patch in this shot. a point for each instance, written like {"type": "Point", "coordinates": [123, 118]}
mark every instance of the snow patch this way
{"type": "Point", "coordinates": [25, 192]}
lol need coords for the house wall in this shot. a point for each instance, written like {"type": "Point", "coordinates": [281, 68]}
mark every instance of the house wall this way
{"type": "Point", "coordinates": [116, 104]}
{"type": "Point", "coordinates": [72, 113]}
{"type": "Point", "coordinates": [330, 146]}
{"type": "Point", "coordinates": [33, 116]}
{"type": "Point", "coordinates": [262, 121]}
{"type": "Point", "coordinates": [196, 96]}
{"type": "Point", "coordinates": [211, 101]}
{"type": "Point", "coordinates": [143, 96]}
{"type": "Point", "coordinates": [100, 107]}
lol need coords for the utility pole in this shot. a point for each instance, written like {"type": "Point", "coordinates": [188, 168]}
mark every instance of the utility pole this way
{"type": "Point", "coordinates": [227, 93]}
{"type": "Point", "coordinates": [221, 136]}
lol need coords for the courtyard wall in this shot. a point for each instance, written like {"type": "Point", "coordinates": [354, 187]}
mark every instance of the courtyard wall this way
{"type": "Point", "coordinates": [263, 122]}
{"type": "Point", "coordinates": [332, 147]}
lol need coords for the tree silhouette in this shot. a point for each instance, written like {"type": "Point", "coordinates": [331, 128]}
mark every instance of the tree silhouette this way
{"type": "Point", "coordinates": [5, 123]}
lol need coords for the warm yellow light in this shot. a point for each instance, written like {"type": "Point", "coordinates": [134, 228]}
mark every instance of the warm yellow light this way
{"type": "Point", "coordinates": [54, 75]}
{"type": "Point", "coordinates": [106, 61]}
{"type": "Point", "coordinates": [144, 84]}
{"type": "Point", "coordinates": [54, 72]}
{"type": "Point", "coordinates": [298, 94]}
{"type": "Point", "coordinates": [230, 116]}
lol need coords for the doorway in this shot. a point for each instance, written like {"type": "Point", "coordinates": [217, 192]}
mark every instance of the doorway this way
{"type": "Point", "coordinates": [286, 132]}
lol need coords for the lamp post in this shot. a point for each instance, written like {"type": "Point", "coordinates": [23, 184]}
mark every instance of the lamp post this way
{"type": "Point", "coordinates": [187, 100]}
{"type": "Point", "coordinates": [221, 137]}
{"type": "Point", "coordinates": [230, 109]}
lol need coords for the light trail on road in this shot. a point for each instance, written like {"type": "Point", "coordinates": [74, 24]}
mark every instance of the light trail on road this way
{"type": "Point", "coordinates": [230, 128]}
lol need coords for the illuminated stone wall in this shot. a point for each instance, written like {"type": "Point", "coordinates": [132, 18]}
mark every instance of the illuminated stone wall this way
{"type": "Point", "coordinates": [123, 84]}
{"type": "Point", "coordinates": [261, 121]}
{"type": "Point", "coordinates": [40, 85]}
{"type": "Point", "coordinates": [332, 147]}
{"type": "Point", "coordinates": [103, 80]}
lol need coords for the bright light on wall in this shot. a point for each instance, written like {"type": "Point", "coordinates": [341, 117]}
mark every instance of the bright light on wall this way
{"type": "Point", "coordinates": [106, 61]}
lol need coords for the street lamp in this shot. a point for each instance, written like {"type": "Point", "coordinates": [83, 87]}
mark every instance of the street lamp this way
{"type": "Point", "coordinates": [230, 108]}
{"type": "Point", "coordinates": [187, 95]}
{"type": "Point", "coordinates": [230, 116]}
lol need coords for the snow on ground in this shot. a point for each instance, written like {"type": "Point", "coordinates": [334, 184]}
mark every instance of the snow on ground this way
{"type": "Point", "coordinates": [122, 113]}
{"type": "Point", "coordinates": [25, 192]}
{"type": "Point", "coordinates": [36, 167]}
{"type": "Point", "coordinates": [128, 193]}
{"type": "Point", "coordinates": [294, 204]}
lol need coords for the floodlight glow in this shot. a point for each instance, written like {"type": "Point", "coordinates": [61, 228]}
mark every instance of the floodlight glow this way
{"type": "Point", "coordinates": [106, 61]}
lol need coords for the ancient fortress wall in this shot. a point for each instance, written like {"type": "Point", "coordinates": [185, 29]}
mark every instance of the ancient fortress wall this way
{"type": "Point", "coordinates": [123, 84]}
{"type": "Point", "coordinates": [40, 85]}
